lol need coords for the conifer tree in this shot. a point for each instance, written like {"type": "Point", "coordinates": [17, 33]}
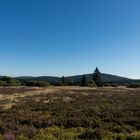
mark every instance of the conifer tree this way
{"type": "Point", "coordinates": [97, 77]}
{"type": "Point", "coordinates": [84, 81]}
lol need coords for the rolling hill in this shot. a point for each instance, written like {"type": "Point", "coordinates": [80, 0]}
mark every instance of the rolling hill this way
{"type": "Point", "coordinates": [106, 78]}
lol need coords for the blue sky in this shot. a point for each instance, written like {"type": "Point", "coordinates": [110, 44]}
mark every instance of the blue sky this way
{"type": "Point", "coordinates": [69, 37]}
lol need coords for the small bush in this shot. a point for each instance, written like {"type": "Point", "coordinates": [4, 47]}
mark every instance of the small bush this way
{"type": "Point", "coordinates": [92, 84]}
{"type": "Point", "coordinates": [134, 86]}
{"type": "Point", "coordinates": [3, 83]}
{"type": "Point", "coordinates": [58, 133]}
{"type": "Point", "coordinates": [114, 85]}
{"type": "Point", "coordinates": [107, 84]}
{"type": "Point", "coordinates": [90, 134]}
{"type": "Point", "coordinates": [37, 83]}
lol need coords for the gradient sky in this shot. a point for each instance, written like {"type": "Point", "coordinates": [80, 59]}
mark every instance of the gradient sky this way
{"type": "Point", "coordinates": [69, 37]}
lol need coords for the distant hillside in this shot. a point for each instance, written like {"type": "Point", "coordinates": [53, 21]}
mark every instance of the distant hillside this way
{"type": "Point", "coordinates": [50, 79]}
{"type": "Point", "coordinates": [107, 78]}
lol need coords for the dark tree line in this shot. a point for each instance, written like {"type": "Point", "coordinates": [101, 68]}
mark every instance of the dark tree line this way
{"type": "Point", "coordinates": [64, 81]}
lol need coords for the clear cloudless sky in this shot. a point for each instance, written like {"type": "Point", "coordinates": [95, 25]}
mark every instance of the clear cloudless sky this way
{"type": "Point", "coordinates": [69, 37]}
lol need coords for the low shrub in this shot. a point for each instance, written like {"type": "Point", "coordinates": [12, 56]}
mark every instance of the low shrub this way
{"type": "Point", "coordinates": [91, 134]}
{"type": "Point", "coordinates": [92, 84]}
{"type": "Point", "coordinates": [134, 86]}
{"type": "Point", "coordinates": [59, 133]}
{"type": "Point", "coordinates": [37, 83]}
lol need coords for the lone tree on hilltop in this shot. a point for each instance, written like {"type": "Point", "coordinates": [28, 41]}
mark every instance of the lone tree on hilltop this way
{"type": "Point", "coordinates": [84, 81]}
{"type": "Point", "coordinates": [97, 77]}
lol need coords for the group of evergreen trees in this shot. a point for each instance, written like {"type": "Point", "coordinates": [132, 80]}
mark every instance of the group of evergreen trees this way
{"type": "Point", "coordinates": [96, 79]}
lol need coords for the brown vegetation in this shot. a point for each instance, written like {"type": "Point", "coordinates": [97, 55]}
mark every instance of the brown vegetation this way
{"type": "Point", "coordinates": [70, 113]}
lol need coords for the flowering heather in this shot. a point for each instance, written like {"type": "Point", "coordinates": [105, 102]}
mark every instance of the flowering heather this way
{"type": "Point", "coordinates": [9, 136]}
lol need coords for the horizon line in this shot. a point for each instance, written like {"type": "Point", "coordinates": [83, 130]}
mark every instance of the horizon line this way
{"type": "Point", "coordinates": [16, 76]}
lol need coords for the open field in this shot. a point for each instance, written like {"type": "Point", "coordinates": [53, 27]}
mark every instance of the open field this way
{"type": "Point", "coordinates": [69, 113]}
